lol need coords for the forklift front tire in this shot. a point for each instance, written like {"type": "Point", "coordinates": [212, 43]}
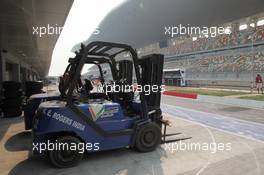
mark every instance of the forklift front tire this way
{"type": "Point", "coordinates": [64, 158]}
{"type": "Point", "coordinates": [148, 138]}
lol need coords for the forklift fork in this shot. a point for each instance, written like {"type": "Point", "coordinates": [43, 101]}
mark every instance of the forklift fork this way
{"type": "Point", "coordinates": [166, 123]}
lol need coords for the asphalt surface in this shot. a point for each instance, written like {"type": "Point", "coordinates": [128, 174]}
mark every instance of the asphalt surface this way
{"type": "Point", "coordinates": [238, 120]}
{"type": "Point", "coordinates": [245, 156]}
{"type": "Point", "coordinates": [203, 123]}
{"type": "Point", "coordinates": [236, 112]}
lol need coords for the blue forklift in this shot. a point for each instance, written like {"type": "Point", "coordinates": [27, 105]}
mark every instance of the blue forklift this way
{"type": "Point", "coordinates": [102, 121]}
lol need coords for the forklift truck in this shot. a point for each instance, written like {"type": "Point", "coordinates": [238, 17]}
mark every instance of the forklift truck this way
{"type": "Point", "coordinates": [104, 121]}
{"type": "Point", "coordinates": [34, 101]}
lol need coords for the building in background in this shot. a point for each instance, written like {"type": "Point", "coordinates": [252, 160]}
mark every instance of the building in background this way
{"type": "Point", "coordinates": [25, 54]}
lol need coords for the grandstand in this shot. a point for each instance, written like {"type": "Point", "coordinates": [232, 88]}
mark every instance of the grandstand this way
{"type": "Point", "coordinates": [228, 60]}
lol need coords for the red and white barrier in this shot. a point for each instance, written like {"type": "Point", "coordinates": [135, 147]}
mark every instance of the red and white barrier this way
{"type": "Point", "coordinates": [179, 94]}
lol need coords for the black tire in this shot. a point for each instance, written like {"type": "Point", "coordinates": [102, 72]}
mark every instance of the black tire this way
{"type": "Point", "coordinates": [36, 85]}
{"type": "Point", "coordinates": [29, 93]}
{"type": "Point", "coordinates": [8, 85]}
{"type": "Point", "coordinates": [12, 103]}
{"type": "Point", "coordinates": [148, 137]}
{"type": "Point", "coordinates": [12, 112]}
{"type": "Point", "coordinates": [32, 89]}
{"type": "Point", "coordinates": [12, 94]}
{"type": "Point", "coordinates": [62, 158]}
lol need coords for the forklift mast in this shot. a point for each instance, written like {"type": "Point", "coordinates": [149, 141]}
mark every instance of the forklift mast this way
{"type": "Point", "coordinates": [151, 71]}
{"type": "Point", "coordinates": [125, 71]}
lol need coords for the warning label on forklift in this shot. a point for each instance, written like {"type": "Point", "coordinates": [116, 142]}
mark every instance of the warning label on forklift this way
{"type": "Point", "coordinates": [63, 119]}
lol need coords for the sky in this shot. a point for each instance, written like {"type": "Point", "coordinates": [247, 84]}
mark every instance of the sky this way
{"type": "Point", "coordinates": [83, 19]}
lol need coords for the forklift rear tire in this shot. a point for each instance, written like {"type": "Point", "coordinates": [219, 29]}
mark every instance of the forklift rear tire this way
{"type": "Point", "coordinates": [148, 138]}
{"type": "Point", "coordinates": [66, 158]}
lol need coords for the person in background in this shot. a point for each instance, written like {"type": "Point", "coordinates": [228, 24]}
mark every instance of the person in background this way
{"type": "Point", "coordinates": [259, 83]}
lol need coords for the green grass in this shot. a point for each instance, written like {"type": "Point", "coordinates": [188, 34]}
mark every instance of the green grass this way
{"type": "Point", "coordinates": [219, 93]}
{"type": "Point", "coordinates": [257, 97]}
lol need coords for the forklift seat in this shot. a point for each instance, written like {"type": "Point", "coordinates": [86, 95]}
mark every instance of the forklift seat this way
{"type": "Point", "coordinates": [89, 87]}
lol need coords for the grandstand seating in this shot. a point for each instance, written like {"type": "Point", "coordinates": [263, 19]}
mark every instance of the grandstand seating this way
{"type": "Point", "coordinates": [229, 59]}
{"type": "Point", "coordinates": [249, 36]}
{"type": "Point", "coordinates": [233, 62]}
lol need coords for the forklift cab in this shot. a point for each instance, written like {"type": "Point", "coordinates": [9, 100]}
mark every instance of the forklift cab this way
{"type": "Point", "coordinates": [147, 70]}
{"type": "Point", "coordinates": [106, 119]}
